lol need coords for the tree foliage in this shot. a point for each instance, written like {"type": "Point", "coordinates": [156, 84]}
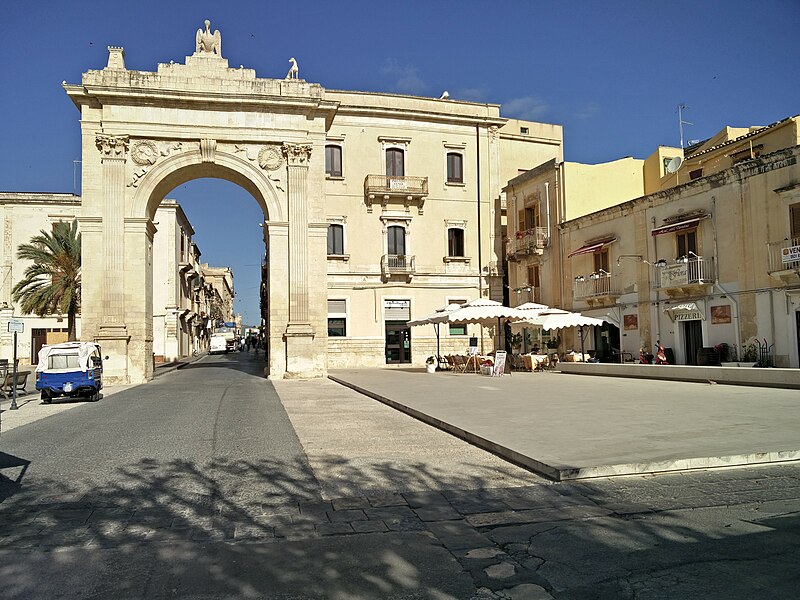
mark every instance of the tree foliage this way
{"type": "Point", "coordinates": [52, 282]}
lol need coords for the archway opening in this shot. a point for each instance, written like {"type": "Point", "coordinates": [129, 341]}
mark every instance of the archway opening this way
{"type": "Point", "coordinates": [218, 225]}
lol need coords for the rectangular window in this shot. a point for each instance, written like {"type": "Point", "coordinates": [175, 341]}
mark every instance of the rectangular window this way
{"type": "Point", "coordinates": [532, 216]}
{"type": "Point", "coordinates": [337, 318]}
{"type": "Point", "coordinates": [533, 276]}
{"type": "Point", "coordinates": [458, 328]}
{"type": "Point", "coordinates": [395, 162]}
{"type": "Point", "coordinates": [335, 239]}
{"type": "Point", "coordinates": [696, 174]}
{"type": "Point", "coordinates": [523, 130]}
{"type": "Point", "coordinates": [333, 161]}
{"type": "Point", "coordinates": [794, 220]}
{"type": "Point", "coordinates": [686, 242]}
{"type": "Point", "coordinates": [455, 242]}
{"type": "Point", "coordinates": [337, 327]}
{"type": "Point", "coordinates": [455, 168]}
{"type": "Point", "coordinates": [601, 261]}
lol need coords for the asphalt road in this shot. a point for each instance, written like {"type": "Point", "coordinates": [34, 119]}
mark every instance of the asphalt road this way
{"type": "Point", "coordinates": [197, 485]}
{"type": "Point", "coordinates": [199, 431]}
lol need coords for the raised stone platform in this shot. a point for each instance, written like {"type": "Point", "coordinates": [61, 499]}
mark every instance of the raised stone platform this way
{"type": "Point", "coordinates": [753, 376]}
{"type": "Point", "coordinates": [579, 427]}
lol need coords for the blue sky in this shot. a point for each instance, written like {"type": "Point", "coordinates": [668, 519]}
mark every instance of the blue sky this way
{"type": "Point", "coordinates": [612, 73]}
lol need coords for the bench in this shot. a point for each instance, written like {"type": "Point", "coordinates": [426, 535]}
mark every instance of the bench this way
{"type": "Point", "coordinates": [9, 383]}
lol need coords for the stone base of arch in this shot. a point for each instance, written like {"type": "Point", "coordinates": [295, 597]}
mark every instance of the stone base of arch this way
{"type": "Point", "coordinates": [301, 362]}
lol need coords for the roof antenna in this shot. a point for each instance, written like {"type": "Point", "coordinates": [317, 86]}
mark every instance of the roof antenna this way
{"type": "Point", "coordinates": [681, 122]}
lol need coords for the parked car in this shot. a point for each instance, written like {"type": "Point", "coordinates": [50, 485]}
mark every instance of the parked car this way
{"type": "Point", "coordinates": [218, 344]}
{"type": "Point", "coordinates": [73, 369]}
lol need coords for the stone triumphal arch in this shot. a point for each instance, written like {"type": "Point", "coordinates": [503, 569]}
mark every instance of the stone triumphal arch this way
{"type": "Point", "coordinates": [145, 133]}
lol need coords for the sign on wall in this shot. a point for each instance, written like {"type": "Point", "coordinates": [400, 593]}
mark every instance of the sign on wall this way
{"type": "Point", "coordinates": [790, 254]}
{"type": "Point", "coordinates": [630, 322]}
{"type": "Point", "coordinates": [16, 327]}
{"type": "Point", "coordinates": [720, 314]}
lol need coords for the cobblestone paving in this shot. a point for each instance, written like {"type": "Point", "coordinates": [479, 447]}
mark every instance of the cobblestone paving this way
{"type": "Point", "coordinates": [553, 540]}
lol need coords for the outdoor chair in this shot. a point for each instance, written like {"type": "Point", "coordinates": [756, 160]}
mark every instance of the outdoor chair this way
{"type": "Point", "coordinates": [443, 363]}
{"type": "Point", "coordinates": [516, 363]}
{"type": "Point", "coordinates": [8, 384]}
{"type": "Point", "coordinates": [459, 363]}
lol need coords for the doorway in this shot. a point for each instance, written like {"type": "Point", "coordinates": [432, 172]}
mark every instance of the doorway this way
{"type": "Point", "coordinates": [797, 331]}
{"type": "Point", "coordinates": [398, 342]}
{"type": "Point", "coordinates": [692, 340]}
{"type": "Point", "coordinates": [606, 342]}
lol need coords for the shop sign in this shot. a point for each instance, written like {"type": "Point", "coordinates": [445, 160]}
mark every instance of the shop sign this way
{"type": "Point", "coordinates": [16, 326]}
{"type": "Point", "coordinates": [674, 275]}
{"type": "Point", "coordinates": [688, 316]}
{"type": "Point", "coordinates": [790, 254]}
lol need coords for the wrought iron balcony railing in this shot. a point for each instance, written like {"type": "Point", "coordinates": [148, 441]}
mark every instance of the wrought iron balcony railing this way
{"type": "Point", "coordinates": [784, 255]}
{"type": "Point", "coordinates": [397, 264]}
{"type": "Point", "coordinates": [597, 285]}
{"type": "Point", "coordinates": [687, 272]}
{"type": "Point", "coordinates": [530, 241]}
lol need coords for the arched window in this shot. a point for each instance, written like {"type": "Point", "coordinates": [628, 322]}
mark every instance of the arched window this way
{"type": "Point", "coordinates": [333, 160]}
{"type": "Point", "coordinates": [455, 241]}
{"type": "Point", "coordinates": [395, 162]}
{"type": "Point", "coordinates": [335, 239]}
{"type": "Point", "coordinates": [455, 168]}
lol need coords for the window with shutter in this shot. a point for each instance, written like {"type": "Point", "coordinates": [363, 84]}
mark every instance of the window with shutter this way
{"type": "Point", "coordinates": [794, 220]}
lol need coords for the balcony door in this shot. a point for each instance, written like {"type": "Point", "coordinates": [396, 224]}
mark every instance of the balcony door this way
{"type": "Point", "coordinates": [395, 162]}
{"type": "Point", "coordinates": [396, 242]}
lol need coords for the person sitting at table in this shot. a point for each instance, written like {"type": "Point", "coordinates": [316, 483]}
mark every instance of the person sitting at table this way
{"type": "Point", "coordinates": [535, 349]}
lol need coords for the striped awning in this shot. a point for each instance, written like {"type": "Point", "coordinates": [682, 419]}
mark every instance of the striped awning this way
{"type": "Point", "coordinates": [592, 247]}
{"type": "Point", "coordinates": [679, 226]}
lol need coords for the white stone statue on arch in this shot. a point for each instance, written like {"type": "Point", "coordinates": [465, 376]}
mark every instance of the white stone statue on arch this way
{"type": "Point", "coordinates": [293, 70]}
{"type": "Point", "coordinates": [207, 42]}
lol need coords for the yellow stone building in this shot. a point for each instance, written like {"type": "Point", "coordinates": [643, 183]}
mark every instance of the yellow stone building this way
{"type": "Point", "coordinates": [710, 256]}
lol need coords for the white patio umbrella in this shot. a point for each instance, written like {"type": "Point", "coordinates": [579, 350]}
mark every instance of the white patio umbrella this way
{"type": "Point", "coordinates": [432, 319]}
{"type": "Point", "coordinates": [555, 318]}
{"type": "Point", "coordinates": [483, 312]}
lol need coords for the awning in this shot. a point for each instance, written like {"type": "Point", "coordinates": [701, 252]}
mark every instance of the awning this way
{"type": "Point", "coordinates": [679, 226]}
{"type": "Point", "coordinates": [592, 247]}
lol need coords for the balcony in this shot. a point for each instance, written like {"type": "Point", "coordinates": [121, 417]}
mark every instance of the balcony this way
{"type": "Point", "coordinates": [784, 260]}
{"type": "Point", "coordinates": [397, 265]}
{"type": "Point", "coordinates": [598, 289]}
{"type": "Point", "coordinates": [689, 276]}
{"type": "Point", "coordinates": [386, 188]}
{"type": "Point", "coordinates": [530, 241]}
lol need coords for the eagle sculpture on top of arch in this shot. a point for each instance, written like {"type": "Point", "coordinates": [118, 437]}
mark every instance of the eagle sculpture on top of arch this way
{"type": "Point", "coordinates": [207, 42]}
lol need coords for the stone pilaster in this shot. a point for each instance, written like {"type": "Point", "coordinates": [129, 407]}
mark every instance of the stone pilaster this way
{"type": "Point", "coordinates": [113, 334]}
{"type": "Point", "coordinates": [299, 331]}
{"type": "Point", "coordinates": [297, 158]}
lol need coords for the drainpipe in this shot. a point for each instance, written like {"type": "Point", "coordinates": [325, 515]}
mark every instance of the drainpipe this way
{"type": "Point", "coordinates": [480, 256]}
{"type": "Point", "coordinates": [478, 184]}
{"type": "Point", "coordinates": [547, 200]}
{"type": "Point", "coordinates": [717, 284]}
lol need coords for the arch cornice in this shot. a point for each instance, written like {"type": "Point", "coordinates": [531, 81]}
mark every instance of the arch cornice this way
{"type": "Point", "coordinates": [186, 166]}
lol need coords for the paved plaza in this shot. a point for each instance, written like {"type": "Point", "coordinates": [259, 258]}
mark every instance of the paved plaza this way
{"type": "Point", "coordinates": [578, 426]}
{"type": "Point", "coordinates": [211, 482]}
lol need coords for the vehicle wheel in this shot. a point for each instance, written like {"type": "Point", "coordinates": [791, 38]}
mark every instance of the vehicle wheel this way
{"type": "Point", "coordinates": [94, 397]}
{"type": "Point", "coordinates": [46, 398]}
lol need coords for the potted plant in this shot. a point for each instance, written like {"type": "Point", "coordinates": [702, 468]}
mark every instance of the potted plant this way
{"type": "Point", "coordinates": [430, 364]}
{"type": "Point", "coordinates": [486, 366]}
{"type": "Point", "coordinates": [553, 342]}
{"type": "Point", "coordinates": [515, 339]}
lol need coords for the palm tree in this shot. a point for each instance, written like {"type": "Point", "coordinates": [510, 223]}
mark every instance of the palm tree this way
{"type": "Point", "coordinates": [52, 283]}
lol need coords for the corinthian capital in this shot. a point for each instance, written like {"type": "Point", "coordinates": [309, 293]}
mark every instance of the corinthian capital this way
{"type": "Point", "coordinates": [112, 146]}
{"type": "Point", "coordinates": [297, 154]}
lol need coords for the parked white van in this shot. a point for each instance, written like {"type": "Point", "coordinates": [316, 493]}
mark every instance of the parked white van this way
{"type": "Point", "coordinates": [218, 344]}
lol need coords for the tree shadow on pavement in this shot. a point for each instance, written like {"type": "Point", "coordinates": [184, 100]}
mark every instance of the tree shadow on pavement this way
{"type": "Point", "coordinates": [261, 529]}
